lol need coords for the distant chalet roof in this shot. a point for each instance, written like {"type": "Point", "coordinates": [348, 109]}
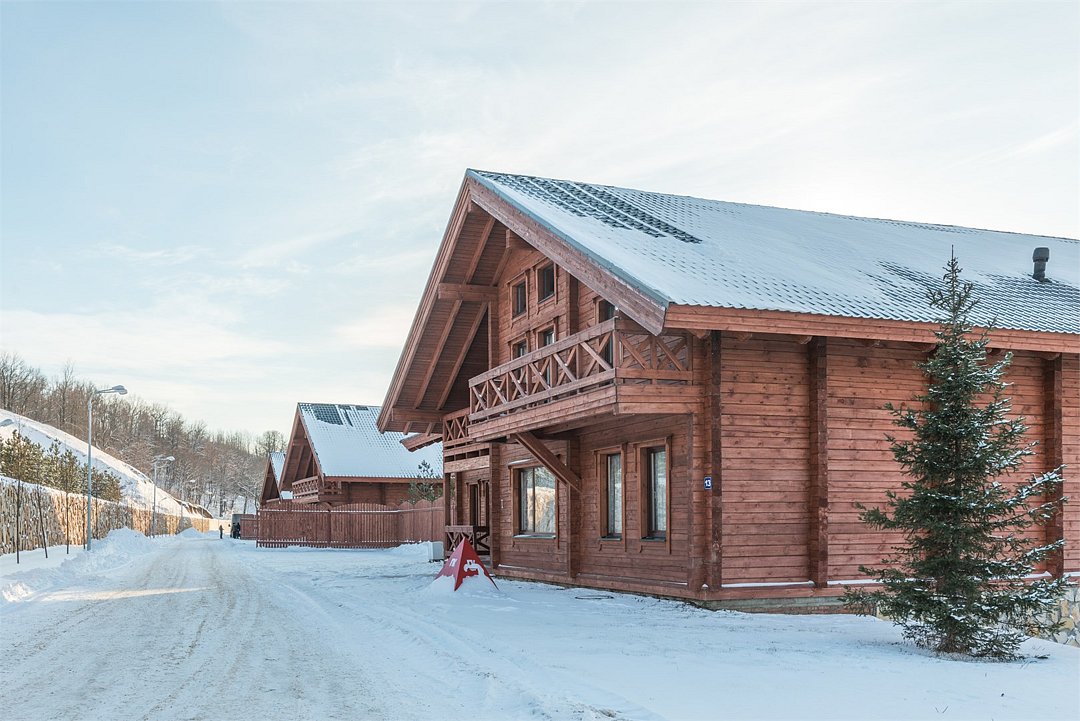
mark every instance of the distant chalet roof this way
{"type": "Point", "coordinates": [277, 463]}
{"type": "Point", "coordinates": [689, 251]}
{"type": "Point", "coordinates": [347, 443]}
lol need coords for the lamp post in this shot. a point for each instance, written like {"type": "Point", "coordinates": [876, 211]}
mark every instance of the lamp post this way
{"type": "Point", "coordinates": [158, 462]}
{"type": "Point", "coordinates": [90, 449]}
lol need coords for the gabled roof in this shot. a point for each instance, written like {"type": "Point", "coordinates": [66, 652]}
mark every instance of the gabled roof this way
{"type": "Point", "coordinates": [277, 464]}
{"type": "Point", "coordinates": [346, 443]}
{"type": "Point", "coordinates": [676, 262]}
{"type": "Point", "coordinates": [689, 251]}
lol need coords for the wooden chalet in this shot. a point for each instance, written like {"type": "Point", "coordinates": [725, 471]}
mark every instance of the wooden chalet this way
{"type": "Point", "coordinates": [336, 456]}
{"type": "Point", "coordinates": [684, 397]}
{"type": "Point", "coordinates": [271, 488]}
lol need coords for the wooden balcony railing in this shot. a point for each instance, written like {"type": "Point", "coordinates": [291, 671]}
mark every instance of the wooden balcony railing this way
{"type": "Point", "coordinates": [305, 487]}
{"type": "Point", "coordinates": [456, 429]}
{"type": "Point", "coordinates": [613, 352]}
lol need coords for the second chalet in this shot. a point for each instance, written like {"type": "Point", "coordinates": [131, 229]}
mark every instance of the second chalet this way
{"type": "Point", "coordinates": [336, 456]}
{"type": "Point", "coordinates": [685, 397]}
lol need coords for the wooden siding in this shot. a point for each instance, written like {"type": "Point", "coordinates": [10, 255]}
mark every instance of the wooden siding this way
{"type": "Point", "coordinates": [766, 476]}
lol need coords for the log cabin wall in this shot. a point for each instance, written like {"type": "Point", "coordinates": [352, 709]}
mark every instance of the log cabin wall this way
{"type": "Point", "coordinates": [765, 472]}
{"type": "Point", "coordinates": [1063, 374]}
{"type": "Point", "coordinates": [799, 442]}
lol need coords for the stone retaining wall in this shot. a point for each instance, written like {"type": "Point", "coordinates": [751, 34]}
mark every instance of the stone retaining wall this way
{"type": "Point", "coordinates": [48, 516]}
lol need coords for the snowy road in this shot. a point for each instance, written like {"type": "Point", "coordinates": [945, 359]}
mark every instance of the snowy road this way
{"type": "Point", "coordinates": [201, 628]}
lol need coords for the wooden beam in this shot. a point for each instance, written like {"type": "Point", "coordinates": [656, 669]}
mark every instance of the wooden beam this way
{"type": "Point", "coordinates": [1054, 455]}
{"type": "Point", "coordinates": [470, 337]}
{"type": "Point", "coordinates": [743, 336]}
{"type": "Point", "coordinates": [714, 510]}
{"type": "Point", "coordinates": [406, 415]}
{"type": "Point", "coordinates": [419, 440]}
{"type": "Point", "coordinates": [691, 317]}
{"type": "Point", "coordinates": [550, 461]}
{"type": "Point", "coordinates": [429, 372]}
{"type": "Point", "coordinates": [818, 542]}
{"type": "Point", "coordinates": [515, 242]}
{"type": "Point", "coordinates": [467, 292]}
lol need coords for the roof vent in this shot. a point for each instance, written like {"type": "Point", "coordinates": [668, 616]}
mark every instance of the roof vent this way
{"type": "Point", "coordinates": [1040, 256]}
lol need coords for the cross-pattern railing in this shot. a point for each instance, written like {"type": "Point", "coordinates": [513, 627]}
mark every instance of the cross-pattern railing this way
{"type": "Point", "coordinates": [456, 429]}
{"type": "Point", "coordinates": [612, 352]}
{"type": "Point", "coordinates": [305, 487]}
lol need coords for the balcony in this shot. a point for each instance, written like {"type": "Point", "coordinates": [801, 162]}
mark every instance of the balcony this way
{"type": "Point", "coordinates": [613, 367]}
{"type": "Point", "coordinates": [313, 490]}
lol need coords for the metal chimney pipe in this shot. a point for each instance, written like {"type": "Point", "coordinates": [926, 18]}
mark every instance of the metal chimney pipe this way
{"type": "Point", "coordinates": [1040, 256]}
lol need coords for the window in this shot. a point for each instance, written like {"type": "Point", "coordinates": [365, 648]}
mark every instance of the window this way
{"type": "Point", "coordinates": [545, 282]}
{"type": "Point", "coordinates": [536, 502]}
{"type": "Point", "coordinates": [519, 349]}
{"type": "Point", "coordinates": [611, 495]}
{"type": "Point", "coordinates": [655, 500]}
{"type": "Point", "coordinates": [543, 338]}
{"type": "Point", "coordinates": [519, 299]}
{"type": "Point", "coordinates": [606, 311]}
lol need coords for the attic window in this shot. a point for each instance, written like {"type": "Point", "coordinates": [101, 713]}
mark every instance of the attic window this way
{"type": "Point", "coordinates": [545, 282]}
{"type": "Point", "coordinates": [519, 299]}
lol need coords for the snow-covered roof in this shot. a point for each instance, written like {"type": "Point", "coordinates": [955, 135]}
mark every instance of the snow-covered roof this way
{"type": "Point", "coordinates": [277, 464]}
{"type": "Point", "coordinates": [347, 443]}
{"type": "Point", "coordinates": [690, 251]}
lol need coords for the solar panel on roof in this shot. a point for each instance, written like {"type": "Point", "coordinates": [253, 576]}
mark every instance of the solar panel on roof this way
{"type": "Point", "coordinates": [326, 413]}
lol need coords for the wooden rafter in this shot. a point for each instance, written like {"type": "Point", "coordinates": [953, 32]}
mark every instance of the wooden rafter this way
{"type": "Point", "coordinates": [437, 355]}
{"type": "Point", "coordinates": [470, 337]}
{"type": "Point", "coordinates": [550, 461]}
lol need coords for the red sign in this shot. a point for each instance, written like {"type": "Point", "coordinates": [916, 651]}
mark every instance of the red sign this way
{"type": "Point", "coordinates": [464, 562]}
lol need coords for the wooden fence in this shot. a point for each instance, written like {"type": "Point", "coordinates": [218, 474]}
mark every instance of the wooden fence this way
{"type": "Point", "coordinates": [358, 525]}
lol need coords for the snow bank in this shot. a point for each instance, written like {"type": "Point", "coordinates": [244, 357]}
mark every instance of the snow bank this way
{"type": "Point", "coordinates": [109, 553]}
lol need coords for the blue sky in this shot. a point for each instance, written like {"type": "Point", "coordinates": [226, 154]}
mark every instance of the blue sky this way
{"type": "Point", "coordinates": [232, 207]}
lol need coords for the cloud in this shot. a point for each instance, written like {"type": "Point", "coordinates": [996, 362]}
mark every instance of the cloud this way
{"type": "Point", "coordinates": [379, 328]}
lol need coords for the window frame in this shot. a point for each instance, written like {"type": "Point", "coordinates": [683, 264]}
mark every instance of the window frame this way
{"type": "Point", "coordinates": [603, 457]}
{"type": "Point", "coordinates": [517, 342]}
{"type": "Point", "coordinates": [647, 503]}
{"type": "Point", "coordinates": [521, 281]}
{"type": "Point", "coordinates": [539, 270]}
{"type": "Point", "coordinates": [517, 473]}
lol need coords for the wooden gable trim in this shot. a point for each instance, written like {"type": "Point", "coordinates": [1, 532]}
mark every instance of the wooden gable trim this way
{"type": "Point", "coordinates": [646, 310]}
{"type": "Point", "coordinates": [270, 484]}
{"type": "Point", "coordinates": [541, 453]}
{"type": "Point", "coordinates": [740, 320]}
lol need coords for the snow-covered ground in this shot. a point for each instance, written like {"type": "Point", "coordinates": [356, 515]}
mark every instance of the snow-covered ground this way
{"type": "Point", "coordinates": [193, 627]}
{"type": "Point", "coordinates": [136, 488]}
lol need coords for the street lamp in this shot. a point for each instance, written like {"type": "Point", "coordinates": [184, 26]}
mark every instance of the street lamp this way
{"type": "Point", "coordinates": [158, 461]}
{"type": "Point", "coordinates": [90, 449]}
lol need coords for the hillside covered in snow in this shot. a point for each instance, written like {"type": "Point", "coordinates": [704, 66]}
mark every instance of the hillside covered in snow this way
{"type": "Point", "coordinates": [136, 488]}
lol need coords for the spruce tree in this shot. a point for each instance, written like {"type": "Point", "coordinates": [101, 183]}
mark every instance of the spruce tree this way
{"type": "Point", "coordinates": [961, 581]}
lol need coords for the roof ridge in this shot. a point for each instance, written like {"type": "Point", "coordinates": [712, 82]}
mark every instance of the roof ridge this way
{"type": "Point", "coordinates": [772, 207]}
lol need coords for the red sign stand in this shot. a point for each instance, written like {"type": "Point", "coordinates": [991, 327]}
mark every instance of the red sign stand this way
{"type": "Point", "coordinates": [464, 562]}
